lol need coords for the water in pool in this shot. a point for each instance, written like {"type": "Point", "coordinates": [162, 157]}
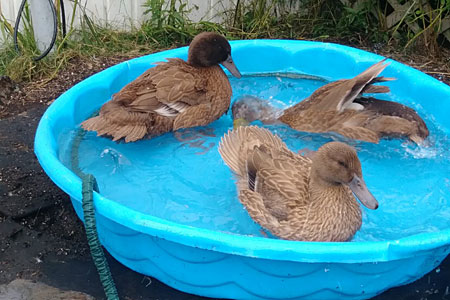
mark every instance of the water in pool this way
{"type": "Point", "coordinates": [181, 177]}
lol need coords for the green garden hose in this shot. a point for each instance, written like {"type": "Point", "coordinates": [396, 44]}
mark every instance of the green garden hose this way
{"type": "Point", "coordinates": [89, 185]}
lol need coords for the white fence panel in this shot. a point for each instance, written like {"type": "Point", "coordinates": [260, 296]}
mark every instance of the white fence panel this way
{"type": "Point", "coordinates": [122, 14]}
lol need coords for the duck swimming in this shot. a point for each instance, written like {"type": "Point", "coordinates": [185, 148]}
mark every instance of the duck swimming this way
{"type": "Point", "coordinates": [172, 95]}
{"type": "Point", "coordinates": [340, 107]}
{"type": "Point", "coordinates": [292, 196]}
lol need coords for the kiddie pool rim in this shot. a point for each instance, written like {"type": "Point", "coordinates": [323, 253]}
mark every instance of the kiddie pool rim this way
{"type": "Point", "coordinates": [46, 149]}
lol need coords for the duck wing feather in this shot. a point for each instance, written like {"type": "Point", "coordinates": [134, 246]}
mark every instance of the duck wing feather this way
{"type": "Point", "coordinates": [339, 95]}
{"type": "Point", "coordinates": [168, 89]}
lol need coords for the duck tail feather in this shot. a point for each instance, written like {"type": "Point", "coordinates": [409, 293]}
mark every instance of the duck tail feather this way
{"type": "Point", "coordinates": [229, 150]}
{"type": "Point", "coordinates": [375, 89]}
{"type": "Point", "coordinates": [363, 80]}
{"type": "Point", "coordinates": [92, 124]}
{"type": "Point", "coordinates": [237, 145]}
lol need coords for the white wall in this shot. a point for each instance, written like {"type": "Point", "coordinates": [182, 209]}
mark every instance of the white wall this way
{"type": "Point", "coordinates": [123, 14]}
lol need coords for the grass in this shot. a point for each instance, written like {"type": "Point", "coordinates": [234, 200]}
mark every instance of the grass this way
{"type": "Point", "coordinates": [106, 42]}
{"type": "Point", "coordinates": [87, 41]}
{"type": "Point", "coordinates": [168, 25]}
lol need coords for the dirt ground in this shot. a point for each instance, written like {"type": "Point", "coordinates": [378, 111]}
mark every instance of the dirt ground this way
{"type": "Point", "coordinates": [41, 237]}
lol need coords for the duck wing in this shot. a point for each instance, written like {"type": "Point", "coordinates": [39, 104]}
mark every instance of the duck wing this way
{"type": "Point", "coordinates": [276, 187]}
{"type": "Point", "coordinates": [339, 95]}
{"type": "Point", "coordinates": [167, 90]}
{"type": "Point", "coordinates": [280, 179]}
{"type": "Point", "coordinates": [394, 119]}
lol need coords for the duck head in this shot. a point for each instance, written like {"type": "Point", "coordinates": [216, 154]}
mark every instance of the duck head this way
{"type": "Point", "coordinates": [208, 49]}
{"type": "Point", "coordinates": [337, 163]}
{"type": "Point", "coordinates": [249, 108]}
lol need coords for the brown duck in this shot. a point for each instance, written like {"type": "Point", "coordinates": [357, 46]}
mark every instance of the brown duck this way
{"type": "Point", "coordinates": [174, 94]}
{"type": "Point", "coordinates": [339, 107]}
{"type": "Point", "coordinates": [296, 197]}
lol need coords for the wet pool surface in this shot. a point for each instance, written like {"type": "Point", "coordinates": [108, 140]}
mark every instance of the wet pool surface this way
{"type": "Point", "coordinates": [181, 177]}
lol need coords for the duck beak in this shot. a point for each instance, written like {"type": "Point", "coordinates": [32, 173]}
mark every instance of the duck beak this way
{"type": "Point", "coordinates": [240, 122]}
{"type": "Point", "coordinates": [229, 64]}
{"type": "Point", "coordinates": [359, 188]}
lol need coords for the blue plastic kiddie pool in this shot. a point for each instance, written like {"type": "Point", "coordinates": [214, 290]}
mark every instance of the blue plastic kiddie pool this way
{"type": "Point", "coordinates": [168, 208]}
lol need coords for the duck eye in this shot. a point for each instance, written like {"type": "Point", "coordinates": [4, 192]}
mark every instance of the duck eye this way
{"type": "Point", "coordinates": [342, 163]}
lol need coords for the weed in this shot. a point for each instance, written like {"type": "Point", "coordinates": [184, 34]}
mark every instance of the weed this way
{"type": "Point", "coordinates": [169, 24]}
{"type": "Point", "coordinates": [429, 20]}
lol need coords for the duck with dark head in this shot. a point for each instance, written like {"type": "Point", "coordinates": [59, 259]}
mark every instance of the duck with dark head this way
{"type": "Point", "coordinates": [173, 95]}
